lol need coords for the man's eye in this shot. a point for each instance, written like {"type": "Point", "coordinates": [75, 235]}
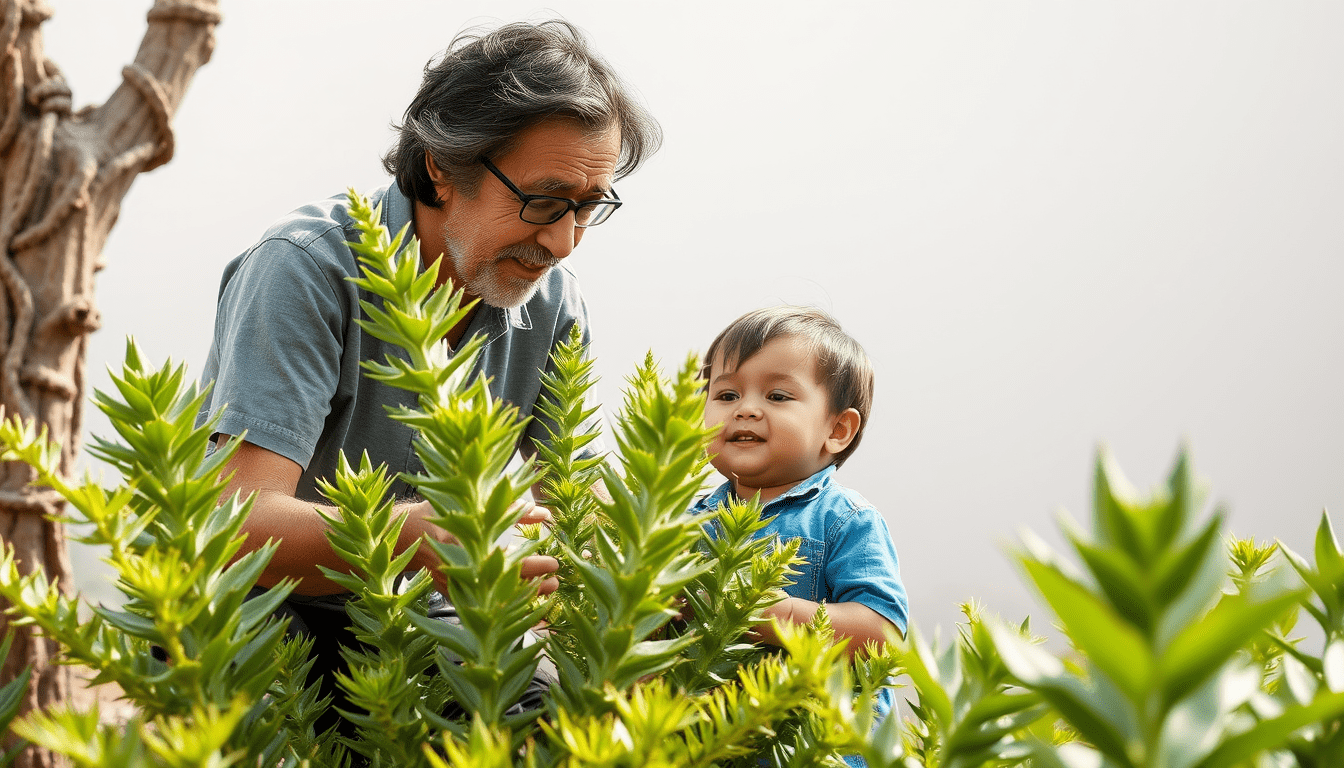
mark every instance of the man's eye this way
{"type": "Point", "coordinates": [546, 207]}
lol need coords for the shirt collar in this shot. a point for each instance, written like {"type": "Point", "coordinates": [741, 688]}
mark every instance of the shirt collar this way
{"type": "Point", "coordinates": [493, 321]}
{"type": "Point", "coordinates": [396, 210]}
{"type": "Point", "coordinates": [808, 488]}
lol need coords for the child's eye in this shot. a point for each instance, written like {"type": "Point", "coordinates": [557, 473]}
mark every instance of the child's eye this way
{"type": "Point", "coordinates": [778, 397]}
{"type": "Point", "coordinates": [726, 395]}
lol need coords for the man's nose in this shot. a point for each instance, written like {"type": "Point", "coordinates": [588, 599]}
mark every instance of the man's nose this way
{"type": "Point", "coordinates": [561, 236]}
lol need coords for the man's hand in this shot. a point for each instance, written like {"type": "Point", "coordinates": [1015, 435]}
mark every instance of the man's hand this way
{"type": "Point", "coordinates": [538, 566]}
{"type": "Point", "coordinates": [532, 513]}
{"type": "Point", "coordinates": [418, 525]}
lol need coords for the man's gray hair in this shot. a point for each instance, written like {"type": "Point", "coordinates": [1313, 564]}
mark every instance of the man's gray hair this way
{"type": "Point", "coordinates": [489, 86]}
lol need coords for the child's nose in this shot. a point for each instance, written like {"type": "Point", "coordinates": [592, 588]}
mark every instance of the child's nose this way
{"type": "Point", "coordinates": [747, 411]}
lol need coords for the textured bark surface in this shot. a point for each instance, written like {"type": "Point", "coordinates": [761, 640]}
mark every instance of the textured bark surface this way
{"type": "Point", "coordinates": [63, 174]}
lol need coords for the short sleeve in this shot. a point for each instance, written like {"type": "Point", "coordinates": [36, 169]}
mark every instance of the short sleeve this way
{"type": "Point", "coordinates": [275, 357]}
{"type": "Point", "coordinates": [862, 566]}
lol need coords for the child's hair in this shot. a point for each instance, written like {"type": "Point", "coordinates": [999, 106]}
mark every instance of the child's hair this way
{"type": "Point", "coordinates": [843, 368]}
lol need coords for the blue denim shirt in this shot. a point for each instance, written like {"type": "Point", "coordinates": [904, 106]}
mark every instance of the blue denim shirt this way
{"type": "Point", "coordinates": [848, 547]}
{"type": "Point", "coordinates": [849, 552]}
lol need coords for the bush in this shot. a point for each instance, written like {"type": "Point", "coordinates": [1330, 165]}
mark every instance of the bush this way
{"type": "Point", "coordinates": [228, 686]}
{"type": "Point", "coordinates": [1181, 648]}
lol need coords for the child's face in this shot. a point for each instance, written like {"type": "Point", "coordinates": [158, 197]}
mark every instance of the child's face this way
{"type": "Point", "coordinates": [778, 428]}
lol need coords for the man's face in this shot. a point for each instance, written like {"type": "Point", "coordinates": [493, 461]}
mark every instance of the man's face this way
{"type": "Point", "coordinates": [496, 255]}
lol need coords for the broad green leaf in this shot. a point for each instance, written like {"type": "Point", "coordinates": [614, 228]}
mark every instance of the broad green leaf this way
{"type": "Point", "coordinates": [1112, 509]}
{"type": "Point", "coordinates": [11, 694]}
{"type": "Point", "coordinates": [1202, 592]}
{"type": "Point", "coordinates": [1000, 705]}
{"type": "Point", "coordinates": [1168, 524]}
{"type": "Point", "coordinates": [1302, 683]}
{"type": "Point", "coordinates": [922, 667]}
{"type": "Point", "coordinates": [130, 623]}
{"type": "Point", "coordinates": [1333, 663]}
{"type": "Point", "coordinates": [1102, 722]}
{"type": "Point", "coordinates": [1110, 641]}
{"type": "Point", "coordinates": [1329, 560]}
{"type": "Point", "coordinates": [1198, 722]}
{"type": "Point", "coordinates": [1070, 755]}
{"type": "Point", "coordinates": [1202, 647]}
{"type": "Point", "coordinates": [1124, 585]}
{"type": "Point", "coordinates": [1270, 734]}
{"type": "Point", "coordinates": [1179, 568]}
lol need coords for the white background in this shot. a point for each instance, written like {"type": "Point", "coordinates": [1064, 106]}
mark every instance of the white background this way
{"type": "Point", "coordinates": [1054, 226]}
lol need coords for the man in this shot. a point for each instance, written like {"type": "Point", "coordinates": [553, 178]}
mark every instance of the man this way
{"type": "Point", "coordinates": [506, 155]}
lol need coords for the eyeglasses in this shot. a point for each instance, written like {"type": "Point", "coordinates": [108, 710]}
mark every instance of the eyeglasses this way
{"type": "Point", "coordinates": [544, 209]}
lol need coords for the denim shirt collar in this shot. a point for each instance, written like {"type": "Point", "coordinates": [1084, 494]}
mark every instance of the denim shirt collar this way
{"type": "Point", "coordinates": [806, 489]}
{"type": "Point", "coordinates": [398, 212]}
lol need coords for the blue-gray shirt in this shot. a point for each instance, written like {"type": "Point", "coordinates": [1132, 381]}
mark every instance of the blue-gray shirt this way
{"type": "Point", "coordinates": [286, 352]}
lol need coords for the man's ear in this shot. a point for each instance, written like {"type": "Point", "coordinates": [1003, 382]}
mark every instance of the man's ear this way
{"type": "Point", "coordinates": [843, 430]}
{"type": "Point", "coordinates": [443, 186]}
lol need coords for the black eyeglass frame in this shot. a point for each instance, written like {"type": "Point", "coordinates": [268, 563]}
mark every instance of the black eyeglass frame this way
{"type": "Point", "coordinates": [570, 205]}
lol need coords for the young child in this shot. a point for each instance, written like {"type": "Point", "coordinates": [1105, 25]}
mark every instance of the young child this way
{"type": "Point", "coordinates": [793, 393]}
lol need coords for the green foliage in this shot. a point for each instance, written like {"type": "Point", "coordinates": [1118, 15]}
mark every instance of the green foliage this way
{"type": "Point", "coordinates": [627, 555]}
{"type": "Point", "coordinates": [731, 593]}
{"type": "Point", "coordinates": [220, 682]}
{"type": "Point", "coordinates": [1182, 655]}
{"type": "Point", "coordinates": [567, 480]}
{"type": "Point", "coordinates": [11, 697]}
{"type": "Point", "coordinates": [971, 711]}
{"type": "Point", "coordinates": [631, 580]}
{"type": "Point", "coordinates": [1310, 680]}
{"type": "Point", "coordinates": [1164, 677]}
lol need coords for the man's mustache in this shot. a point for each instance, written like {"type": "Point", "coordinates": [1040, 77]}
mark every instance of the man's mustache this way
{"type": "Point", "coordinates": [529, 254]}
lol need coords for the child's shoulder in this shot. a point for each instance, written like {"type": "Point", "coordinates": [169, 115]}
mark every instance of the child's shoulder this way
{"type": "Point", "coordinates": [835, 488]}
{"type": "Point", "coordinates": [840, 499]}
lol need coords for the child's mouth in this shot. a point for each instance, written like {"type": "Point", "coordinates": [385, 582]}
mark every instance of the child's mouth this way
{"type": "Point", "coordinates": [744, 437]}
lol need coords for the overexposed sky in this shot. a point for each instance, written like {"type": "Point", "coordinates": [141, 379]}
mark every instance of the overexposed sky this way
{"type": "Point", "coordinates": [1053, 226]}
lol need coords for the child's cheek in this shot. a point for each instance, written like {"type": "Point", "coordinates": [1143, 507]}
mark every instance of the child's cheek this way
{"type": "Point", "coordinates": [714, 418]}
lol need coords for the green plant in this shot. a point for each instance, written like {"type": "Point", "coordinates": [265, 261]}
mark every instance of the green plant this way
{"type": "Point", "coordinates": [971, 711]}
{"type": "Point", "coordinates": [1307, 678]}
{"type": "Point", "coordinates": [626, 554]}
{"type": "Point", "coordinates": [209, 671]}
{"type": "Point", "coordinates": [11, 696]}
{"type": "Point", "coordinates": [1181, 655]}
{"type": "Point", "coordinates": [216, 682]}
{"type": "Point", "coordinates": [1162, 676]}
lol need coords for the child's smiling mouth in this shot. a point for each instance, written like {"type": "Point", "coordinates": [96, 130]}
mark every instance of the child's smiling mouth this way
{"type": "Point", "coordinates": [742, 436]}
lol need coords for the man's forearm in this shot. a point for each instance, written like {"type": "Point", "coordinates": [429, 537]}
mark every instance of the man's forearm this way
{"type": "Point", "coordinates": [301, 528]}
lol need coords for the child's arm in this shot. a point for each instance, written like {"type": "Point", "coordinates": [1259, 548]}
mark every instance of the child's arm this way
{"type": "Point", "coordinates": [854, 623]}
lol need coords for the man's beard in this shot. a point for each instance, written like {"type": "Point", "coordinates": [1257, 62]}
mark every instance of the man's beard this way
{"type": "Point", "coordinates": [490, 283]}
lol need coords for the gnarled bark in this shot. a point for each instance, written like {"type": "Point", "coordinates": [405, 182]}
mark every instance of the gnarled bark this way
{"type": "Point", "coordinates": [63, 174]}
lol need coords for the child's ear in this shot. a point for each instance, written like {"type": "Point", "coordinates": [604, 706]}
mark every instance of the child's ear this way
{"type": "Point", "coordinates": [843, 430]}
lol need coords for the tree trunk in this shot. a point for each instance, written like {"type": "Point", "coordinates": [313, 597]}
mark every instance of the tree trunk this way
{"type": "Point", "coordinates": [62, 177]}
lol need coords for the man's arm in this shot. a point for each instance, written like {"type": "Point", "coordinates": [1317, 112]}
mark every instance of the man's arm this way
{"type": "Point", "coordinates": [300, 526]}
{"type": "Point", "coordinates": [855, 624]}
